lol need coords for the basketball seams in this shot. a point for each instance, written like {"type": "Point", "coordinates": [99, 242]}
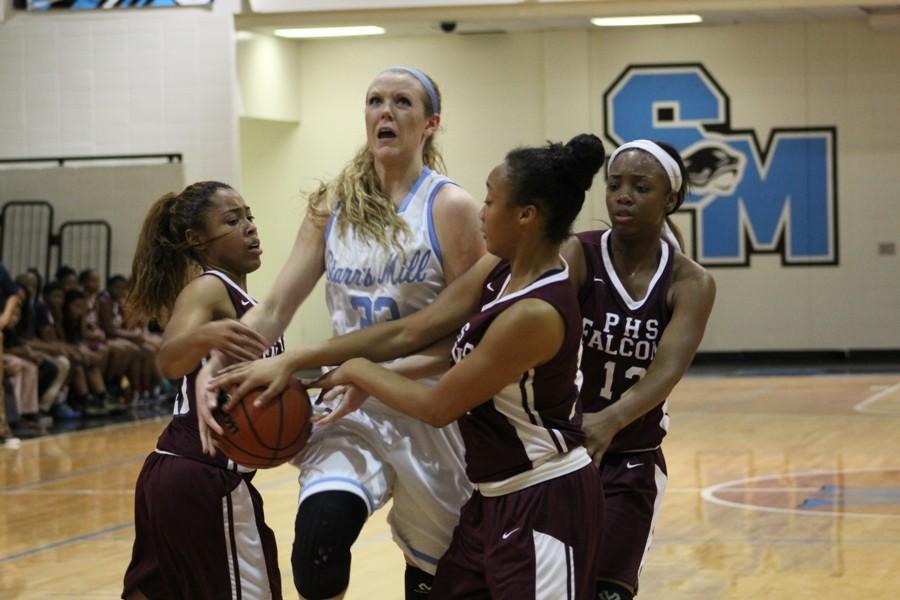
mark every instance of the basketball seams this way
{"type": "Point", "coordinates": [259, 452]}
{"type": "Point", "coordinates": [252, 426]}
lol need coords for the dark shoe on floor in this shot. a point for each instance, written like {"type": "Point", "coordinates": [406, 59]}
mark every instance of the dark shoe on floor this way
{"type": "Point", "coordinates": [63, 412]}
{"type": "Point", "coordinates": [95, 407]}
{"type": "Point", "coordinates": [115, 405]}
{"type": "Point", "coordinates": [26, 428]}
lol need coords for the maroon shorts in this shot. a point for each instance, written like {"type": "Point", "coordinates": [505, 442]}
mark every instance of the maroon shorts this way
{"type": "Point", "coordinates": [540, 542]}
{"type": "Point", "coordinates": [199, 534]}
{"type": "Point", "coordinates": [633, 486]}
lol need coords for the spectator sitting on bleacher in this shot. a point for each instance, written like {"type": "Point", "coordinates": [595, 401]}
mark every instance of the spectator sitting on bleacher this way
{"type": "Point", "coordinates": [22, 374]}
{"type": "Point", "coordinates": [87, 383]}
{"type": "Point", "coordinates": [67, 277]}
{"type": "Point", "coordinates": [74, 311]}
{"type": "Point", "coordinates": [7, 400]}
{"type": "Point", "coordinates": [142, 375]}
{"type": "Point", "coordinates": [54, 367]}
{"type": "Point", "coordinates": [124, 355]}
{"type": "Point", "coordinates": [54, 296]}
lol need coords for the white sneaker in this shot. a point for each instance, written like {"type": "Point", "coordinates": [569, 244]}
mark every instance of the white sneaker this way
{"type": "Point", "coordinates": [12, 443]}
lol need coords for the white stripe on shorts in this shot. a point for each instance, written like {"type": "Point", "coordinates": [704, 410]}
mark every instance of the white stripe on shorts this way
{"type": "Point", "coordinates": [554, 568]}
{"type": "Point", "coordinates": [661, 482]}
{"type": "Point", "coordinates": [246, 560]}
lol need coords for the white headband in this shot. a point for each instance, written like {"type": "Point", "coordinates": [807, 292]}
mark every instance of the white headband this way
{"type": "Point", "coordinates": [664, 158]}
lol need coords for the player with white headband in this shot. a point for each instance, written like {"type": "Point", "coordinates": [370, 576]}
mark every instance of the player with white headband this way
{"type": "Point", "coordinates": [644, 307]}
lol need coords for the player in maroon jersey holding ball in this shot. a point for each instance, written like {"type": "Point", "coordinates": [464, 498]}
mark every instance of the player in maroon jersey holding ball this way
{"type": "Point", "coordinates": [199, 526]}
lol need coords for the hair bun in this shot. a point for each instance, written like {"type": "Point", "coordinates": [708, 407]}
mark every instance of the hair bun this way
{"type": "Point", "coordinates": [585, 155]}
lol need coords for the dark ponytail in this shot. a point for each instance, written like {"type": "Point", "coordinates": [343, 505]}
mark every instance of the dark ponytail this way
{"type": "Point", "coordinates": [555, 178]}
{"type": "Point", "coordinates": [164, 260]}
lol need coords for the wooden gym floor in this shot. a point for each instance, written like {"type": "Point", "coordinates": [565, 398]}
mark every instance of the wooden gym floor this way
{"type": "Point", "coordinates": [779, 487]}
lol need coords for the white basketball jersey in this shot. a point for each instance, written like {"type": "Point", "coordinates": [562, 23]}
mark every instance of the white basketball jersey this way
{"type": "Point", "coordinates": [377, 452]}
{"type": "Point", "coordinates": [366, 284]}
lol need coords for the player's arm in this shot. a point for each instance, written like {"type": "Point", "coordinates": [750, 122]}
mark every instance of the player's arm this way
{"type": "Point", "coordinates": [691, 298]}
{"type": "Point", "coordinates": [203, 318]}
{"type": "Point", "coordinates": [402, 337]}
{"type": "Point", "coordinates": [381, 342]}
{"type": "Point", "coordinates": [296, 280]}
{"type": "Point", "coordinates": [501, 357]}
{"type": "Point", "coordinates": [431, 362]}
{"type": "Point", "coordinates": [458, 229]}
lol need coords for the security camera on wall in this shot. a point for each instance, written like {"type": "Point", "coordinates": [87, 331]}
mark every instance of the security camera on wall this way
{"type": "Point", "coordinates": [448, 26]}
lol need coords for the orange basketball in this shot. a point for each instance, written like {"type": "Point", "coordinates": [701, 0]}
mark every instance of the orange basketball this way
{"type": "Point", "coordinates": [266, 436]}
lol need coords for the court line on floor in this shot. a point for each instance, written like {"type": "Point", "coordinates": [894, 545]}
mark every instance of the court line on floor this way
{"type": "Point", "coordinates": [72, 474]}
{"type": "Point", "coordinates": [101, 532]}
{"type": "Point", "coordinates": [87, 470]}
{"type": "Point", "coordinates": [98, 429]}
{"type": "Point", "coordinates": [862, 407]}
{"type": "Point", "coordinates": [708, 494]}
{"type": "Point", "coordinates": [120, 492]}
{"type": "Point", "coordinates": [72, 540]}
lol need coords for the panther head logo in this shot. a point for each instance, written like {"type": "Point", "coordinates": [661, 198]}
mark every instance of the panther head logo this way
{"type": "Point", "coordinates": [713, 168]}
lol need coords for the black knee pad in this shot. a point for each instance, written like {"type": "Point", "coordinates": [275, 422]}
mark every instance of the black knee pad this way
{"type": "Point", "coordinates": [327, 525]}
{"type": "Point", "coordinates": [418, 583]}
{"type": "Point", "coordinates": [610, 590]}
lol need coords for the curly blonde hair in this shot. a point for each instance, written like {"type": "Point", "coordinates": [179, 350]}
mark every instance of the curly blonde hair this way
{"type": "Point", "coordinates": [364, 205]}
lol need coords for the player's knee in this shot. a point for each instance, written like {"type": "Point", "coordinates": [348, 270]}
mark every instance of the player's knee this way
{"type": "Point", "coordinates": [610, 590]}
{"type": "Point", "coordinates": [327, 525]}
{"type": "Point", "coordinates": [417, 582]}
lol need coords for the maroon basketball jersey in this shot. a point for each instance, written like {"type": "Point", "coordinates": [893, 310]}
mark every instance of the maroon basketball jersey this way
{"type": "Point", "coordinates": [536, 419]}
{"type": "Point", "coordinates": [620, 338]}
{"type": "Point", "coordinates": [182, 437]}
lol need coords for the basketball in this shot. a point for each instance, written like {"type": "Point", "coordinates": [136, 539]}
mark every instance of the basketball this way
{"type": "Point", "coordinates": [266, 436]}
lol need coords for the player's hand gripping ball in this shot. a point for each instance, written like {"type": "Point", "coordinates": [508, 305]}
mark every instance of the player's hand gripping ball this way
{"type": "Point", "coordinates": [266, 436]}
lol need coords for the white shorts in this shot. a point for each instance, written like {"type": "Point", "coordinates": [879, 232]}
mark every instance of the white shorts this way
{"type": "Point", "coordinates": [379, 454]}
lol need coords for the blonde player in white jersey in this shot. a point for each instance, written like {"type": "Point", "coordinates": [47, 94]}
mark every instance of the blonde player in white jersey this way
{"type": "Point", "coordinates": [389, 233]}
